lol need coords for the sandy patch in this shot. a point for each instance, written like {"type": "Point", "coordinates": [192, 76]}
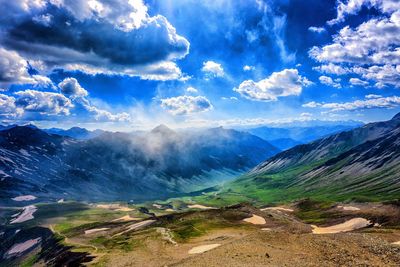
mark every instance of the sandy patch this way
{"type": "Point", "coordinates": [24, 198]}
{"type": "Point", "coordinates": [278, 209]}
{"type": "Point", "coordinates": [157, 206]}
{"type": "Point", "coordinates": [124, 209]}
{"type": "Point", "coordinates": [25, 215]}
{"type": "Point", "coordinates": [203, 248]}
{"type": "Point", "coordinates": [201, 207]}
{"type": "Point", "coordinates": [21, 247]}
{"type": "Point", "coordinates": [170, 210]}
{"type": "Point", "coordinates": [136, 226]}
{"type": "Point", "coordinates": [347, 226]}
{"type": "Point", "coordinates": [266, 229]}
{"type": "Point", "coordinates": [396, 243]}
{"type": "Point", "coordinates": [255, 219]}
{"type": "Point", "coordinates": [348, 208]}
{"type": "Point", "coordinates": [126, 218]}
{"type": "Point", "coordinates": [91, 231]}
{"type": "Point", "coordinates": [116, 207]}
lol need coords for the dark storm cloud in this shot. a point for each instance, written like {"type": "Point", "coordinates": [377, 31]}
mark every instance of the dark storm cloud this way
{"type": "Point", "coordinates": [93, 41]}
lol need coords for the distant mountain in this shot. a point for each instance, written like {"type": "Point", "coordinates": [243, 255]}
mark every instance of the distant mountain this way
{"type": "Point", "coordinates": [363, 162]}
{"type": "Point", "coordinates": [288, 137]}
{"type": "Point", "coordinates": [123, 166]}
{"type": "Point", "coordinates": [75, 132]}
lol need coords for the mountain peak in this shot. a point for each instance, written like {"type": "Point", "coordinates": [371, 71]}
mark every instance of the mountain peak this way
{"type": "Point", "coordinates": [396, 117]}
{"type": "Point", "coordinates": [162, 129]}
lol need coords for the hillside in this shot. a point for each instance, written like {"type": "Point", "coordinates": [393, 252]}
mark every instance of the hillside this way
{"type": "Point", "coordinates": [363, 164]}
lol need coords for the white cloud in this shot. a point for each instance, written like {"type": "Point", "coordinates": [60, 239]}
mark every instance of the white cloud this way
{"type": "Point", "coordinates": [44, 19]}
{"type": "Point", "coordinates": [372, 96]}
{"type": "Point", "coordinates": [233, 98]}
{"type": "Point", "coordinates": [352, 7]}
{"type": "Point", "coordinates": [8, 109]}
{"type": "Point", "coordinates": [13, 68]}
{"type": "Point", "coordinates": [317, 29]}
{"type": "Point", "coordinates": [248, 68]}
{"type": "Point", "coordinates": [368, 103]}
{"type": "Point", "coordinates": [192, 90]}
{"type": "Point", "coordinates": [332, 69]}
{"type": "Point", "coordinates": [213, 69]}
{"type": "Point", "coordinates": [370, 50]}
{"type": "Point", "coordinates": [382, 75]}
{"type": "Point", "coordinates": [358, 82]}
{"type": "Point", "coordinates": [71, 87]}
{"type": "Point", "coordinates": [328, 81]}
{"type": "Point", "coordinates": [183, 105]}
{"type": "Point", "coordinates": [284, 83]}
{"type": "Point", "coordinates": [45, 103]}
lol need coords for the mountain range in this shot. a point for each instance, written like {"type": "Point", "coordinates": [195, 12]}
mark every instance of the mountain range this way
{"type": "Point", "coordinates": [123, 166]}
{"type": "Point", "coordinates": [363, 164]}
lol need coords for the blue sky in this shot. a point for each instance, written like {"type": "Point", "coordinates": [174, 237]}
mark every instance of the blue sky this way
{"type": "Point", "coordinates": [126, 65]}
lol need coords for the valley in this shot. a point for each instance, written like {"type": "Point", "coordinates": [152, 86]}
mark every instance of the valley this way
{"type": "Point", "coordinates": [333, 201]}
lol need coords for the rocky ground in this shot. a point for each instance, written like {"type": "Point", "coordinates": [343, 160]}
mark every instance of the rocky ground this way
{"type": "Point", "coordinates": [240, 235]}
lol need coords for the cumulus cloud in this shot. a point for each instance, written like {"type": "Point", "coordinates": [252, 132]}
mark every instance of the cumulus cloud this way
{"type": "Point", "coordinates": [372, 96]}
{"type": "Point", "coordinates": [328, 81]}
{"type": "Point", "coordinates": [13, 68]}
{"type": "Point", "coordinates": [45, 103]}
{"type": "Point", "coordinates": [317, 29]}
{"type": "Point", "coordinates": [358, 82]}
{"type": "Point", "coordinates": [332, 69]}
{"type": "Point", "coordinates": [248, 68]}
{"type": "Point", "coordinates": [101, 36]}
{"type": "Point", "coordinates": [213, 69]}
{"type": "Point", "coordinates": [71, 87]}
{"type": "Point", "coordinates": [183, 105]}
{"type": "Point", "coordinates": [284, 83]}
{"type": "Point", "coordinates": [368, 103]}
{"type": "Point", "coordinates": [352, 7]}
{"type": "Point", "coordinates": [192, 90]}
{"type": "Point", "coordinates": [370, 49]}
{"type": "Point", "coordinates": [8, 108]}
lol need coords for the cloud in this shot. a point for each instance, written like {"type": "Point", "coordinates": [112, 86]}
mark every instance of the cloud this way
{"type": "Point", "coordinates": [8, 108]}
{"type": "Point", "coordinates": [284, 83]}
{"type": "Point", "coordinates": [332, 69]}
{"type": "Point", "coordinates": [183, 105]}
{"type": "Point", "coordinates": [328, 81]}
{"type": "Point", "coordinates": [213, 69]}
{"type": "Point", "coordinates": [71, 87]}
{"type": "Point", "coordinates": [317, 29]}
{"type": "Point", "coordinates": [13, 68]}
{"type": "Point", "coordinates": [358, 82]}
{"type": "Point", "coordinates": [248, 68]}
{"type": "Point", "coordinates": [45, 103]}
{"type": "Point", "coordinates": [100, 36]}
{"type": "Point", "coordinates": [352, 7]}
{"type": "Point", "coordinates": [368, 103]}
{"type": "Point", "coordinates": [233, 98]}
{"type": "Point", "coordinates": [372, 96]}
{"type": "Point", "coordinates": [192, 90]}
{"type": "Point", "coordinates": [370, 49]}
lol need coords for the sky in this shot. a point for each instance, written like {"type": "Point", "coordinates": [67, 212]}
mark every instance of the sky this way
{"type": "Point", "coordinates": [134, 64]}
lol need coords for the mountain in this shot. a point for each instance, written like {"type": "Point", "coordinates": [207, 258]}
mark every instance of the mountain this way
{"type": "Point", "coordinates": [361, 163]}
{"type": "Point", "coordinates": [123, 166]}
{"type": "Point", "coordinates": [288, 137]}
{"type": "Point", "coordinates": [75, 132]}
